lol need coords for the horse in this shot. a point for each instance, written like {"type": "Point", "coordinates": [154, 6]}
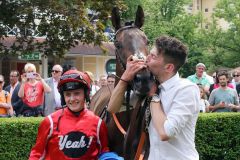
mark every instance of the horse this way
{"type": "Point", "coordinates": [129, 40]}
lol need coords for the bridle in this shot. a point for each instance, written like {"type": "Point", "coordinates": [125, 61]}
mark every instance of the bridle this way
{"type": "Point", "coordinates": [117, 45]}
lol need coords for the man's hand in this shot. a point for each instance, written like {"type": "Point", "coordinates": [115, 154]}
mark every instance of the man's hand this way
{"type": "Point", "coordinates": [132, 68]}
{"type": "Point", "coordinates": [221, 105]}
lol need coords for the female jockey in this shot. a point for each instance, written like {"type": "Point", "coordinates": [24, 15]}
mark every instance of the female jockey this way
{"type": "Point", "coordinates": [73, 132]}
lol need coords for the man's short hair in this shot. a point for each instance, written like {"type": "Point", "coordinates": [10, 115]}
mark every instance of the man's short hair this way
{"type": "Point", "coordinates": [15, 71]}
{"type": "Point", "coordinates": [200, 65]}
{"type": "Point", "coordinates": [173, 51]}
{"type": "Point", "coordinates": [223, 73]}
{"type": "Point", "coordinates": [110, 76]}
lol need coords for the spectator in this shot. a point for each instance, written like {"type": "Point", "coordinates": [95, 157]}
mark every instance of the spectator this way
{"type": "Point", "coordinates": [6, 109]}
{"type": "Point", "coordinates": [223, 99]}
{"type": "Point", "coordinates": [94, 88]}
{"type": "Point", "coordinates": [13, 89]}
{"type": "Point", "coordinates": [111, 79]}
{"type": "Point", "coordinates": [32, 91]}
{"type": "Point", "coordinates": [174, 111]}
{"type": "Point", "coordinates": [102, 81]}
{"type": "Point", "coordinates": [236, 78]}
{"type": "Point", "coordinates": [204, 104]}
{"type": "Point", "coordinates": [200, 78]}
{"type": "Point", "coordinates": [72, 132]}
{"type": "Point", "coordinates": [52, 100]}
{"type": "Point", "coordinates": [216, 81]}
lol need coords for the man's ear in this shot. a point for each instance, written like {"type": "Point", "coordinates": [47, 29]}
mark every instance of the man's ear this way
{"type": "Point", "coordinates": [169, 67]}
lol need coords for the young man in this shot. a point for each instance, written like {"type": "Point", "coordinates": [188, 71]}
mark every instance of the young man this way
{"type": "Point", "coordinates": [174, 110]}
{"type": "Point", "coordinates": [111, 79]}
{"type": "Point", "coordinates": [224, 98]}
{"type": "Point", "coordinates": [72, 132]}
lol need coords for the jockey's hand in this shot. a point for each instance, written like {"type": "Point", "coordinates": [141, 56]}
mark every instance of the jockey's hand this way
{"type": "Point", "coordinates": [153, 90]}
{"type": "Point", "coordinates": [132, 68]}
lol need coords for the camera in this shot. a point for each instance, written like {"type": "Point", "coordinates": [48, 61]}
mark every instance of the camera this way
{"type": "Point", "coordinates": [31, 75]}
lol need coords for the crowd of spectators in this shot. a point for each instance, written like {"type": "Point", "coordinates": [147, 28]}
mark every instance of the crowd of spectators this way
{"type": "Point", "coordinates": [35, 96]}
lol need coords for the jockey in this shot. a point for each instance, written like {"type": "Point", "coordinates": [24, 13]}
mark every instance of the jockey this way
{"type": "Point", "coordinates": [72, 132]}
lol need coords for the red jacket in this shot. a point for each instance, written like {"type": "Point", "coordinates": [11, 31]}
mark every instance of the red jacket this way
{"type": "Point", "coordinates": [80, 137]}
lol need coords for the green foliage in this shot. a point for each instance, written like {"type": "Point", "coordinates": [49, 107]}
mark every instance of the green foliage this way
{"type": "Point", "coordinates": [17, 135]}
{"type": "Point", "coordinates": [163, 18]}
{"type": "Point", "coordinates": [63, 22]}
{"type": "Point", "coordinates": [223, 43]}
{"type": "Point", "coordinates": [218, 136]}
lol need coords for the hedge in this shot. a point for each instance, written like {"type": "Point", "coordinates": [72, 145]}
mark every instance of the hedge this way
{"type": "Point", "coordinates": [217, 136]}
{"type": "Point", "coordinates": [17, 136]}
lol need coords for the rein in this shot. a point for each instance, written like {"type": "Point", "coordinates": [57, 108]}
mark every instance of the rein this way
{"type": "Point", "coordinates": [139, 155]}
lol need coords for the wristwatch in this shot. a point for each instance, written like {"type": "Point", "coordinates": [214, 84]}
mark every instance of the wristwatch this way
{"type": "Point", "coordinates": [155, 98]}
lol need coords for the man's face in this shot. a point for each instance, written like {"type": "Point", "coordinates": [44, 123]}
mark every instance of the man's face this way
{"type": "Point", "coordinates": [75, 99]}
{"type": "Point", "coordinates": [56, 72]}
{"type": "Point", "coordinates": [200, 70]}
{"type": "Point", "coordinates": [155, 62]}
{"type": "Point", "coordinates": [13, 78]}
{"type": "Point", "coordinates": [111, 80]}
{"type": "Point", "coordinates": [103, 81]}
{"type": "Point", "coordinates": [223, 80]}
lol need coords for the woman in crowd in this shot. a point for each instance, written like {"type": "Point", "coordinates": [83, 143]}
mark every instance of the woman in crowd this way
{"type": "Point", "coordinates": [204, 104]}
{"type": "Point", "coordinates": [32, 91]}
{"type": "Point", "coordinates": [72, 132]}
{"type": "Point", "coordinates": [6, 109]}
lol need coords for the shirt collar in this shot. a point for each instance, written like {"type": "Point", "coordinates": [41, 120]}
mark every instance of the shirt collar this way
{"type": "Point", "coordinates": [170, 82]}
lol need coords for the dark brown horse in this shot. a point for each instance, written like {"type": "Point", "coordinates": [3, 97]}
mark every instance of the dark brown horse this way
{"type": "Point", "coordinates": [129, 40]}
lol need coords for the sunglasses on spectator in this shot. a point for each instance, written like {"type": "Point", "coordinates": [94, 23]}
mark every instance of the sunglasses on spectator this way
{"type": "Point", "coordinates": [214, 76]}
{"type": "Point", "coordinates": [236, 75]}
{"type": "Point", "coordinates": [55, 71]}
{"type": "Point", "coordinates": [1, 82]}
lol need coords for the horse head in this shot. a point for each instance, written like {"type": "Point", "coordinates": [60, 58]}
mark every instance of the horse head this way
{"type": "Point", "coordinates": [130, 40]}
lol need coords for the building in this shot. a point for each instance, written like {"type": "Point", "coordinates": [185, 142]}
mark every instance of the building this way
{"type": "Point", "coordinates": [83, 57]}
{"type": "Point", "coordinates": [207, 7]}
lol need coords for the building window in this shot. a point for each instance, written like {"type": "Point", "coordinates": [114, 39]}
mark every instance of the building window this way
{"type": "Point", "coordinates": [206, 26]}
{"type": "Point", "coordinates": [206, 9]}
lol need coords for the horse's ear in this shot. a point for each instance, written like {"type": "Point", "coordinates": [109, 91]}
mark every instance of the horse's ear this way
{"type": "Point", "coordinates": [116, 18]}
{"type": "Point", "coordinates": [139, 17]}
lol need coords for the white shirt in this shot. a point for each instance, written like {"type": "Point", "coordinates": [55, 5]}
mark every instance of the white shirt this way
{"type": "Point", "coordinates": [203, 105]}
{"type": "Point", "coordinates": [94, 89]}
{"type": "Point", "coordinates": [12, 88]}
{"type": "Point", "coordinates": [180, 101]}
{"type": "Point", "coordinates": [57, 95]}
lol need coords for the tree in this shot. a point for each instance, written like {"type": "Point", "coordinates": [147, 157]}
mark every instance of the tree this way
{"type": "Point", "coordinates": [228, 40]}
{"type": "Point", "coordinates": [63, 22]}
{"type": "Point", "coordinates": [164, 18]}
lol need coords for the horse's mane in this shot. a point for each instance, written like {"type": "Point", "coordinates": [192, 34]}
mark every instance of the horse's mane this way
{"type": "Point", "coordinates": [100, 99]}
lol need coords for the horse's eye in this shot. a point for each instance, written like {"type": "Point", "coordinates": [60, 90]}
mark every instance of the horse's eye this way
{"type": "Point", "coordinates": [118, 45]}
